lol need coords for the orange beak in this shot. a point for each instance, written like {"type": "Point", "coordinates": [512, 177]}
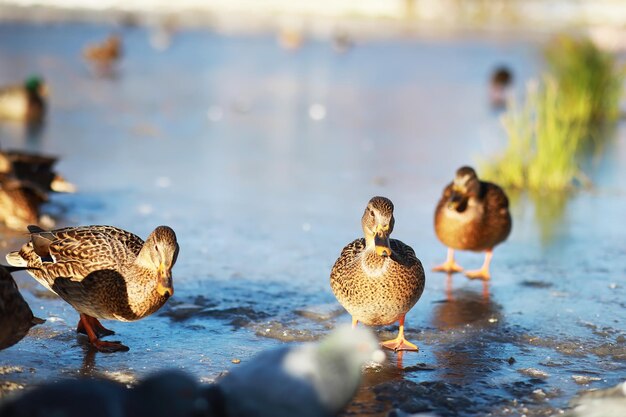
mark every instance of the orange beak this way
{"type": "Point", "coordinates": [164, 284]}
{"type": "Point", "coordinates": [381, 241]}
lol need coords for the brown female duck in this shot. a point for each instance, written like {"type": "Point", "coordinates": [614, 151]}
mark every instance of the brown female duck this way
{"type": "Point", "coordinates": [104, 53]}
{"type": "Point", "coordinates": [471, 215]}
{"type": "Point", "coordinates": [103, 272]}
{"type": "Point", "coordinates": [378, 279]}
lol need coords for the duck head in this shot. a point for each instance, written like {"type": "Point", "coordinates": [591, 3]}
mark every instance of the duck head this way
{"type": "Point", "coordinates": [377, 223]}
{"type": "Point", "coordinates": [466, 185]}
{"type": "Point", "coordinates": [160, 252]}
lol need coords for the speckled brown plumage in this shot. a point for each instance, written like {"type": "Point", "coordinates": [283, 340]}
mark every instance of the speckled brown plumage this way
{"type": "Point", "coordinates": [375, 286]}
{"type": "Point", "coordinates": [16, 317]}
{"type": "Point", "coordinates": [472, 214]}
{"type": "Point", "coordinates": [104, 272]}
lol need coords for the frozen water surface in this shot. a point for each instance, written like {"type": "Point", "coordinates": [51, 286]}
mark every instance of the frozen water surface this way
{"type": "Point", "coordinates": [262, 160]}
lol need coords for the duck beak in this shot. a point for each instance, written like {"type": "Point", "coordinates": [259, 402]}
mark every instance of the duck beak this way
{"type": "Point", "coordinates": [381, 241]}
{"type": "Point", "coordinates": [164, 284]}
{"type": "Point", "coordinates": [454, 200]}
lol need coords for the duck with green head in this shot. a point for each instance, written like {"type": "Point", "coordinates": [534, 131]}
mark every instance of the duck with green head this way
{"type": "Point", "coordinates": [24, 102]}
{"type": "Point", "coordinates": [378, 279]}
{"type": "Point", "coordinates": [471, 215]}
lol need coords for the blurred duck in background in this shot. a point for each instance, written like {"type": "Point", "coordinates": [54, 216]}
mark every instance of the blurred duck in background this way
{"type": "Point", "coordinates": [20, 203]}
{"type": "Point", "coordinates": [16, 317]}
{"type": "Point", "coordinates": [36, 169]}
{"type": "Point", "coordinates": [104, 55]}
{"type": "Point", "coordinates": [25, 181]}
{"type": "Point", "coordinates": [25, 102]}
{"type": "Point", "coordinates": [500, 85]}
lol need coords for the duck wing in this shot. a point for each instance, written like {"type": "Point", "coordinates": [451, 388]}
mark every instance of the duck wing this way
{"type": "Point", "coordinates": [75, 252]}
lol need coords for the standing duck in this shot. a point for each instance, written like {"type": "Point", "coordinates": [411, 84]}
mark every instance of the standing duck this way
{"type": "Point", "coordinates": [16, 317]}
{"type": "Point", "coordinates": [378, 279]}
{"type": "Point", "coordinates": [471, 215]}
{"type": "Point", "coordinates": [103, 272]}
{"type": "Point", "coordinates": [25, 102]}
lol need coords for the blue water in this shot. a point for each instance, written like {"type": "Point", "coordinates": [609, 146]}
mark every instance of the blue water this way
{"type": "Point", "coordinates": [214, 137]}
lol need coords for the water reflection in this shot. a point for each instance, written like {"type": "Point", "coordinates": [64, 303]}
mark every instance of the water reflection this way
{"type": "Point", "coordinates": [549, 208]}
{"type": "Point", "coordinates": [466, 320]}
{"type": "Point", "coordinates": [548, 211]}
{"type": "Point", "coordinates": [367, 401]}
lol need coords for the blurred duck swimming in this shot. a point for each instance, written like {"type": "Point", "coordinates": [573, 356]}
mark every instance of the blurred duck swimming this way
{"type": "Point", "coordinates": [25, 102]}
{"type": "Point", "coordinates": [16, 317]}
{"type": "Point", "coordinates": [104, 54]}
{"type": "Point", "coordinates": [103, 272]}
{"type": "Point", "coordinates": [500, 86]}
{"type": "Point", "coordinates": [378, 279]}
{"type": "Point", "coordinates": [471, 215]}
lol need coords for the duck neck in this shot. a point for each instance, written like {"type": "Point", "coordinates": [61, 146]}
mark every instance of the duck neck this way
{"type": "Point", "coordinates": [370, 245]}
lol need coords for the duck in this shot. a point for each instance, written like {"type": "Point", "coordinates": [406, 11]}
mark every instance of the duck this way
{"type": "Point", "coordinates": [35, 168]}
{"type": "Point", "coordinates": [471, 215]}
{"type": "Point", "coordinates": [24, 102]}
{"type": "Point", "coordinates": [106, 53]}
{"type": "Point", "coordinates": [20, 203]}
{"type": "Point", "coordinates": [499, 85]}
{"type": "Point", "coordinates": [104, 272]}
{"type": "Point", "coordinates": [378, 279]}
{"type": "Point", "coordinates": [16, 317]}
{"type": "Point", "coordinates": [313, 379]}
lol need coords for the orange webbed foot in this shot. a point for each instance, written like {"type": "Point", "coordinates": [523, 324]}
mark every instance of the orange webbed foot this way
{"type": "Point", "coordinates": [449, 267]}
{"type": "Point", "coordinates": [109, 347]}
{"type": "Point", "coordinates": [400, 344]}
{"type": "Point", "coordinates": [481, 274]}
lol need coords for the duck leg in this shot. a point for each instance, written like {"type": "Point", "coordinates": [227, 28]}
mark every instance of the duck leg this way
{"type": "Point", "coordinates": [449, 265]}
{"type": "Point", "coordinates": [400, 343]}
{"type": "Point", "coordinates": [354, 322]}
{"type": "Point", "coordinates": [483, 272]}
{"type": "Point", "coordinates": [98, 328]}
{"type": "Point", "coordinates": [100, 345]}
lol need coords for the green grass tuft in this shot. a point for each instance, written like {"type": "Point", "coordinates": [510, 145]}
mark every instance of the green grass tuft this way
{"type": "Point", "coordinates": [559, 119]}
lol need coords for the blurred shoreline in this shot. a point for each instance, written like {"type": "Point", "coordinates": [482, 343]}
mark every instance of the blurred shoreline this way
{"type": "Point", "coordinates": [603, 20]}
